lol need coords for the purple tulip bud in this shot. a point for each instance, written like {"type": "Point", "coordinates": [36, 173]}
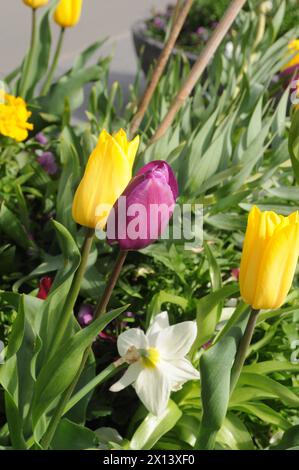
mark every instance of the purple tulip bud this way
{"type": "Point", "coordinates": [47, 161]}
{"type": "Point", "coordinates": [41, 138]}
{"type": "Point", "coordinates": [85, 315]}
{"type": "Point", "coordinates": [143, 211]}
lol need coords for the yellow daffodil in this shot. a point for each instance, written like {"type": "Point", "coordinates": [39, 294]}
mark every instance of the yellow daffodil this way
{"type": "Point", "coordinates": [68, 12]}
{"type": "Point", "coordinates": [269, 258]}
{"type": "Point", "coordinates": [14, 117]}
{"type": "Point", "coordinates": [108, 172]}
{"type": "Point", "coordinates": [35, 3]}
{"type": "Point", "coordinates": [293, 52]}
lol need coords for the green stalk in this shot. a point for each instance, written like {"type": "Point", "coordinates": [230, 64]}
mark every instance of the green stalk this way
{"type": "Point", "coordinates": [75, 289]}
{"type": "Point", "coordinates": [28, 63]}
{"type": "Point", "coordinates": [242, 350]}
{"type": "Point", "coordinates": [100, 309]}
{"type": "Point", "coordinates": [207, 439]}
{"type": "Point", "coordinates": [53, 67]}
{"type": "Point", "coordinates": [104, 375]}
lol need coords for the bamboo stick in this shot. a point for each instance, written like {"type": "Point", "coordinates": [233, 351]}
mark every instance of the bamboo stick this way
{"type": "Point", "coordinates": [180, 15]}
{"type": "Point", "coordinates": [200, 65]}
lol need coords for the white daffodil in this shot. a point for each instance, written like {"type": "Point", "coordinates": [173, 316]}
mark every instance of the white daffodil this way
{"type": "Point", "coordinates": [157, 361]}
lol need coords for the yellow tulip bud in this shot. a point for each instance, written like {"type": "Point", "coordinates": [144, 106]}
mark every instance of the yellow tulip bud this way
{"type": "Point", "coordinates": [35, 3]}
{"type": "Point", "coordinates": [107, 174]}
{"type": "Point", "coordinates": [68, 12]}
{"type": "Point", "coordinates": [269, 258]}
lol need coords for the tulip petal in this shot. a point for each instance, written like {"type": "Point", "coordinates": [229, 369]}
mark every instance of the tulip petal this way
{"type": "Point", "coordinates": [260, 228]}
{"type": "Point", "coordinates": [133, 337]}
{"type": "Point", "coordinates": [176, 340]}
{"type": "Point", "coordinates": [108, 172]}
{"type": "Point", "coordinates": [153, 389]}
{"type": "Point", "coordinates": [128, 378]}
{"type": "Point", "coordinates": [277, 268]}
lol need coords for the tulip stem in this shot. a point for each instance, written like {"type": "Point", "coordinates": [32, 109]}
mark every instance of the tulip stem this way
{"type": "Point", "coordinates": [53, 67]}
{"type": "Point", "coordinates": [74, 292]}
{"type": "Point", "coordinates": [242, 349]}
{"type": "Point", "coordinates": [100, 309]}
{"type": "Point", "coordinates": [102, 305]}
{"type": "Point", "coordinates": [29, 58]}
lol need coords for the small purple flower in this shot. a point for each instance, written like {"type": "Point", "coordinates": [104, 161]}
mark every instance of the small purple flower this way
{"type": "Point", "coordinates": [214, 24]}
{"type": "Point", "coordinates": [202, 32]}
{"type": "Point", "coordinates": [47, 161]}
{"type": "Point", "coordinates": [41, 138]}
{"type": "Point", "coordinates": [159, 23]}
{"type": "Point", "coordinates": [85, 315]}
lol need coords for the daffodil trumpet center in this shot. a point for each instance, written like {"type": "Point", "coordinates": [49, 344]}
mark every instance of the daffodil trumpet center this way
{"type": "Point", "coordinates": [149, 357]}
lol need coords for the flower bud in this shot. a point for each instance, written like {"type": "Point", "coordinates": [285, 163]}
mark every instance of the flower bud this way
{"type": "Point", "coordinates": [143, 211]}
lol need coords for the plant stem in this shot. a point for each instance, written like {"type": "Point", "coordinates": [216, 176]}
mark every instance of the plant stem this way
{"type": "Point", "coordinates": [102, 305]}
{"type": "Point", "coordinates": [242, 350]}
{"type": "Point", "coordinates": [104, 375]}
{"type": "Point", "coordinates": [28, 63]}
{"type": "Point", "coordinates": [180, 16]}
{"type": "Point", "coordinates": [53, 67]}
{"type": "Point", "coordinates": [100, 309]}
{"type": "Point", "coordinates": [199, 66]}
{"type": "Point", "coordinates": [74, 292]}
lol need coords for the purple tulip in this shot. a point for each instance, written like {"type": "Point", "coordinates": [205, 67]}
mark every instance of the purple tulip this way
{"type": "Point", "coordinates": [143, 211]}
{"type": "Point", "coordinates": [41, 138]}
{"type": "Point", "coordinates": [47, 161]}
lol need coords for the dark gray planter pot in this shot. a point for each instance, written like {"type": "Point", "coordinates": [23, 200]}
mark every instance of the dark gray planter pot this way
{"type": "Point", "coordinates": [149, 49]}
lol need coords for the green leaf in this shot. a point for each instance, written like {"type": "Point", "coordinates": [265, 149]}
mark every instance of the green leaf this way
{"type": "Point", "coordinates": [57, 374]}
{"type": "Point", "coordinates": [289, 440]}
{"type": "Point", "coordinates": [234, 434]}
{"type": "Point", "coordinates": [72, 436]}
{"type": "Point", "coordinates": [294, 144]}
{"type": "Point", "coordinates": [207, 314]}
{"type": "Point", "coordinates": [215, 371]}
{"type": "Point", "coordinates": [154, 427]}
{"type": "Point", "coordinates": [11, 225]}
{"type": "Point", "coordinates": [14, 423]}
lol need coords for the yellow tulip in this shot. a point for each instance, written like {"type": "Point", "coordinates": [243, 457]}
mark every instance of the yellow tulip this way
{"type": "Point", "coordinates": [269, 258]}
{"type": "Point", "coordinates": [293, 52]}
{"type": "Point", "coordinates": [68, 12]}
{"type": "Point", "coordinates": [35, 3]}
{"type": "Point", "coordinates": [107, 174]}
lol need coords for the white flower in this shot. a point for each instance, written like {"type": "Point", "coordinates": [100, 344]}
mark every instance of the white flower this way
{"type": "Point", "coordinates": [160, 366]}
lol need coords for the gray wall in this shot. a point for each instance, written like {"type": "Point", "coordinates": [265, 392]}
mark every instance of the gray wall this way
{"type": "Point", "coordinates": [100, 18]}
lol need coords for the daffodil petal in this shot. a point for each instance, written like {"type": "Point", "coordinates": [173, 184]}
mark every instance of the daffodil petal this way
{"type": "Point", "coordinates": [176, 340]}
{"type": "Point", "coordinates": [133, 337]}
{"type": "Point", "coordinates": [159, 323]}
{"type": "Point", "coordinates": [153, 389]}
{"type": "Point", "coordinates": [179, 372]}
{"type": "Point", "coordinates": [128, 378]}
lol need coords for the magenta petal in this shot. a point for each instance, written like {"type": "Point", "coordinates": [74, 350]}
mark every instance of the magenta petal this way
{"type": "Point", "coordinates": [143, 214]}
{"type": "Point", "coordinates": [166, 170]}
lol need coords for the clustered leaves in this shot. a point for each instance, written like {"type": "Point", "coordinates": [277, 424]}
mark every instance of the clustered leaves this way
{"type": "Point", "coordinates": [232, 145]}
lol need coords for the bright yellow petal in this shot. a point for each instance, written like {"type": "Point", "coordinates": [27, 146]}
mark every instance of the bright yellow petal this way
{"type": "Point", "coordinates": [277, 268]}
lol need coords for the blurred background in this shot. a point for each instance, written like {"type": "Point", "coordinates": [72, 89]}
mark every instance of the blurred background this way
{"type": "Point", "coordinates": [100, 18]}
